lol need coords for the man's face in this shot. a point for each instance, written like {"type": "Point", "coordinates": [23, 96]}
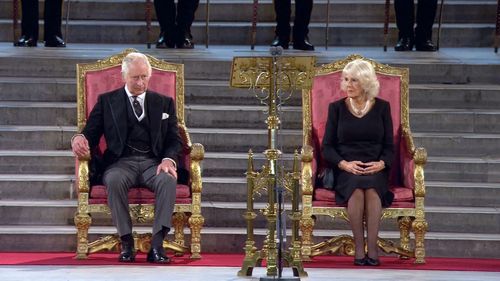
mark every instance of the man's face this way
{"type": "Point", "coordinates": [137, 78]}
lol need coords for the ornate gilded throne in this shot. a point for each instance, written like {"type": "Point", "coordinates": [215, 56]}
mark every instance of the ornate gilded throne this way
{"type": "Point", "coordinates": [100, 77]}
{"type": "Point", "coordinates": [407, 173]}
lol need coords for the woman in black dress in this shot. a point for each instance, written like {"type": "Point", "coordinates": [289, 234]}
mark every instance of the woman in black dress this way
{"type": "Point", "coordinates": [358, 145]}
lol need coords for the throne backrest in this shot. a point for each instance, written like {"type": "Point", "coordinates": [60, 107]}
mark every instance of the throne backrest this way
{"type": "Point", "coordinates": [326, 89]}
{"type": "Point", "coordinates": [105, 75]}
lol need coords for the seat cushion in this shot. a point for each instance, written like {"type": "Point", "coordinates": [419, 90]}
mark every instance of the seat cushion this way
{"type": "Point", "coordinates": [139, 195]}
{"type": "Point", "coordinates": [403, 198]}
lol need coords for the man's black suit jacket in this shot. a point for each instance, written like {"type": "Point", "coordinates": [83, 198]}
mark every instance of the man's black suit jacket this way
{"type": "Point", "coordinates": [109, 118]}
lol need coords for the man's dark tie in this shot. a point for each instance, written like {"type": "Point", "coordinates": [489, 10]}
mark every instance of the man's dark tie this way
{"type": "Point", "coordinates": [137, 107]}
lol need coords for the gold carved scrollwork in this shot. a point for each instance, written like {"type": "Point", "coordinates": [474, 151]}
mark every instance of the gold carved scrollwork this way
{"type": "Point", "coordinates": [142, 213]}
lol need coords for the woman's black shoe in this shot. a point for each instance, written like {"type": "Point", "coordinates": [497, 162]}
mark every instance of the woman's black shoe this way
{"type": "Point", "coordinates": [360, 262]}
{"type": "Point", "coordinates": [372, 262]}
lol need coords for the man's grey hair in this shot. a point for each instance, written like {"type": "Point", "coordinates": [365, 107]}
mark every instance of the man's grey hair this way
{"type": "Point", "coordinates": [133, 57]}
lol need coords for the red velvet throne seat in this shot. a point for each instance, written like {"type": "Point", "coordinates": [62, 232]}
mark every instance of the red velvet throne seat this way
{"type": "Point", "coordinates": [407, 174]}
{"type": "Point", "coordinates": [103, 76]}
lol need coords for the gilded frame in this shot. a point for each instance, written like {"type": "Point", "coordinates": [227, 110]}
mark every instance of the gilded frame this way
{"type": "Point", "coordinates": [413, 218]}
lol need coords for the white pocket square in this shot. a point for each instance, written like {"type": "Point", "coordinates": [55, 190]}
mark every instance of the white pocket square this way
{"type": "Point", "coordinates": [164, 116]}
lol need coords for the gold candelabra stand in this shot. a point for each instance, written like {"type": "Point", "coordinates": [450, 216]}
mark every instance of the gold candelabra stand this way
{"type": "Point", "coordinates": [273, 79]}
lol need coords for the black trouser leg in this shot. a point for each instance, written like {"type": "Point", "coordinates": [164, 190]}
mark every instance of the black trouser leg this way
{"type": "Point", "coordinates": [282, 8]}
{"type": "Point", "coordinates": [426, 13]}
{"type": "Point", "coordinates": [185, 17]}
{"type": "Point", "coordinates": [405, 17]}
{"type": "Point", "coordinates": [29, 23]}
{"type": "Point", "coordinates": [52, 18]}
{"type": "Point", "coordinates": [303, 9]}
{"type": "Point", "coordinates": [165, 13]}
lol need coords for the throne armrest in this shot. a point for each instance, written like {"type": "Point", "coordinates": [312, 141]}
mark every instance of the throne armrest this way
{"type": "Point", "coordinates": [413, 160]}
{"type": "Point", "coordinates": [82, 164]}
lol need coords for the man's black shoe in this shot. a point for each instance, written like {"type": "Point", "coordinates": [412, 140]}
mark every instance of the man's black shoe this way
{"type": "Point", "coordinates": [127, 254]}
{"type": "Point", "coordinates": [186, 43]}
{"type": "Point", "coordinates": [156, 256]}
{"type": "Point", "coordinates": [280, 42]}
{"type": "Point", "coordinates": [164, 42]}
{"type": "Point", "coordinates": [425, 46]}
{"type": "Point", "coordinates": [303, 45]}
{"type": "Point", "coordinates": [55, 41]}
{"type": "Point", "coordinates": [404, 44]}
{"type": "Point", "coordinates": [25, 41]}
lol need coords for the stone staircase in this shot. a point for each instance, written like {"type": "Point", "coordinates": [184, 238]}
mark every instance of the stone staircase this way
{"type": "Point", "coordinates": [455, 112]}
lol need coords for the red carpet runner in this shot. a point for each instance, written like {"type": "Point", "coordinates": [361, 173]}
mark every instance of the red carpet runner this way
{"type": "Point", "coordinates": [235, 260]}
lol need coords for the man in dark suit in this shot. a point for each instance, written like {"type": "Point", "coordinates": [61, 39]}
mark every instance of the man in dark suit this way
{"type": "Point", "coordinates": [175, 23]}
{"type": "Point", "coordinates": [303, 9]}
{"type": "Point", "coordinates": [421, 37]}
{"type": "Point", "coordinates": [140, 128]}
{"type": "Point", "coordinates": [52, 24]}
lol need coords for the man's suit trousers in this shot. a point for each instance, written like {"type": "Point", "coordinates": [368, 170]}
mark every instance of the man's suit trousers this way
{"type": "Point", "coordinates": [405, 18]}
{"type": "Point", "coordinates": [133, 171]}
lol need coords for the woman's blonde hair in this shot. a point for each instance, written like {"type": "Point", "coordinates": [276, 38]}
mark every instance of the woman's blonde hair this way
{"type": "Point", "coordinates": [365, 73]}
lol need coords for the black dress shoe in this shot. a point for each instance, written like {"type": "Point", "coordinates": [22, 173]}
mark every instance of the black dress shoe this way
{"type": "Point", "coordinates": [127, 254]}
{"type": "Point", "coordinates": [164, 42]}
{"type": "Point", "coordinates": [372, 262]}
{"type": "Point", "coordinates": [156, 256]}
{"type": "Point", "coordinates": [425, 46]}
{"type": "Point", "coordinates": [303, 45]}
{"type": "Point", "coordinates": [185, 43]}
{"type": "Point", "coordinates": [55, 41]}
{"type": "Point", "coordinates": [360, 262]}
{"type": "Point", "coordinates": [280, 42]}
{"type": "Point", "coordinates": [404, 44]}
{"type": "Point", "coordinates": [25, 41]}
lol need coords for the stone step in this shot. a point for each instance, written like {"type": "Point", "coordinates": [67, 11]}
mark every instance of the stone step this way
{"type": "Point", "coordinates": [461, 66]}
{"type": "Point", "coordinates": [234, 189]}
{"type": "Point", "coordinates": [203, 92]}
{"type": "Point", "coordinates": [61, 212]}
{"type": "Point", "coordinates": [36, 137]}
{"type": "Point", "coordinates": [37, 187]}
{"type": "Point", "coordinates": [230, 164]}
{"type": "Point", "coordinates": [340, 11]}
{"type": "Point", "coordinates": [240, 116]}
{"type": "Point", "coordinates": [459, 144]}
{"type": "Point", "coordinates": [466, 194]}
{"type": "Point", "coordinates": [339, 33]}
{"type": "Point", "coordinates": [232, 240]}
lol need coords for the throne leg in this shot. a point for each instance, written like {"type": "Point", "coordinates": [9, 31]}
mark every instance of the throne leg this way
{"type": "Point", "coordinates": [306, 227]}
{"type": "Point", "coordinates": [82, 223]}
{"type": "Point", "coordinates": [178, 221]}
{"type": "Point", "coordinates": [419, 228]}
{"type": "Point", "coordinates": [195, 224]}
{"type": "Point", "coordinates": [404, 234]}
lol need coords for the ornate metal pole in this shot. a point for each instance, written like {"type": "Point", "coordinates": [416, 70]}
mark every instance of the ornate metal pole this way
{"type": "Point", "coordinates": [273, 80]}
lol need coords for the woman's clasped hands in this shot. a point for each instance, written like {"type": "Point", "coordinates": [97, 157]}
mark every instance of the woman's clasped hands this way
{"type": "Point", "coordinates": [362, 168]}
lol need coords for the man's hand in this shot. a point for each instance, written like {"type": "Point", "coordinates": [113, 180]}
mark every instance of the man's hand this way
{"type": "Point", "coordinates": [167, 166]}
{"type": "Point", "coordinates": [80, 146]}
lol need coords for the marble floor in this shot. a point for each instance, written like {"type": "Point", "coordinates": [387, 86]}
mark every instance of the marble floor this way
{"type": "Point", "coordinates": [184, 273]}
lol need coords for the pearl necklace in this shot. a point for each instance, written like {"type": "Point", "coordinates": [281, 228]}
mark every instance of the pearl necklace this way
{"type": "Point", "coordinates": [359, 112]}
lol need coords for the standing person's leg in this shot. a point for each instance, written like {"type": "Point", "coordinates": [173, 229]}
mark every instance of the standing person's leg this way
{"type": "Point", "coordinates": [282, 9]}
{"type": "Point", "coordinates": [185, 17]}
{"type": "Point", "coordinates": [405, 20]}
{"type": "Point", "coordinates": [118, 179]}
{"type": "Point", "coordinates": [355, 211]}
{"type": "Point", "coordinates": [426, 13]}
{"type": "Point", "coordinates": [303, 10]}
{"type": "Point", "coordinates": [164, 186]}
{"type": "Point", "coordinates": [52, 23]}
{"type": "Point", "coordinates": [29, 24]}
{"type": "Point", "coordinates": [166, 13]}
{"type": "Point", "coordinates": [373, 212]}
